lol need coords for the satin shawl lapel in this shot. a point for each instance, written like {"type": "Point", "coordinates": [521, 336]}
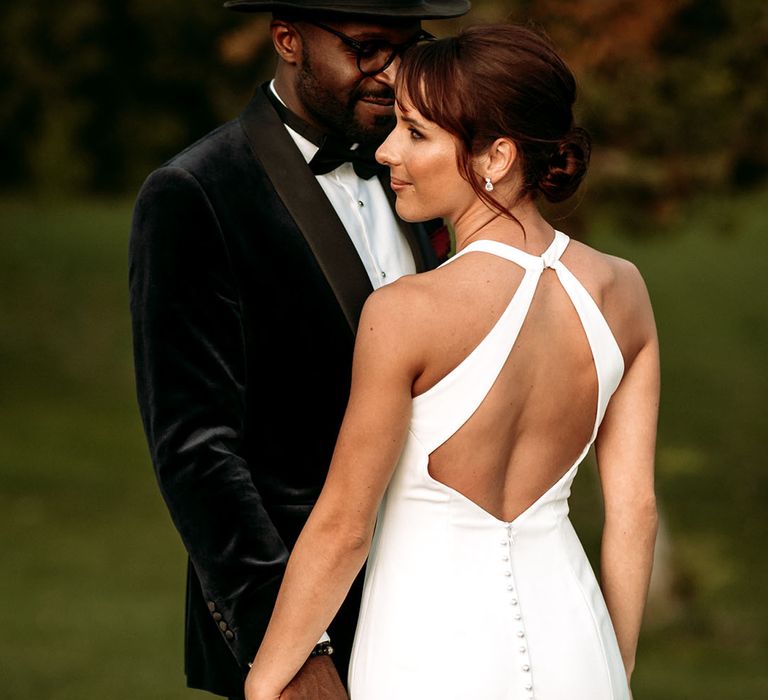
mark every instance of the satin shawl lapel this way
{"type": "Point", "coordinates": [308, 206]}
{"type": "Point", "coordinates": [416, 234]}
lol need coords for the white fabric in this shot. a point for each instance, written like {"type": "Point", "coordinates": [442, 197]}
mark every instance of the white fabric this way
{"type": "Point", "coordinates": [459, 605]}
{"type": "Point", "coordinates": [364, 209]}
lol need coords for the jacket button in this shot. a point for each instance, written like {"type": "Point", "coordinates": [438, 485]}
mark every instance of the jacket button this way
{"type": "Point", "coordinates": [223, 626]}
{"type": "Point", "coordinates": [229, 634]}
{"type": "Point", "coordinates": [217, 616]}
{"type": "Point", "coordinates": [211, 605]}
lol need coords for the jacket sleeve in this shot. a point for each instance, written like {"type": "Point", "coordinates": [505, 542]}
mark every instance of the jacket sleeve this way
{"type": "Point", "coordinates": [191, 370]}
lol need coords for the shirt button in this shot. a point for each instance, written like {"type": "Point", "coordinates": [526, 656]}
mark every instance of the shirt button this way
{"type": "Point", "coordinates": [526, 668]}
{"type": "Point", "coordinates": [383, 275]}
{"type": "Point", "coordinates": [360, 203]}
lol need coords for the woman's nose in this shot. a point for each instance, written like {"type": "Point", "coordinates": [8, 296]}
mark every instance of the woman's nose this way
{"type": "Point", "coordinates": [385, 154]}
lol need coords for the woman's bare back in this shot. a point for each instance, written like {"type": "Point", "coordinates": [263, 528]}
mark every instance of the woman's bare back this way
{"type": "Point", "coordinates": [540, 413]}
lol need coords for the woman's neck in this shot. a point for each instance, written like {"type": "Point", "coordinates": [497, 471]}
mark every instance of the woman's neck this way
{"type": "Point", "coordinates": [529, 231]}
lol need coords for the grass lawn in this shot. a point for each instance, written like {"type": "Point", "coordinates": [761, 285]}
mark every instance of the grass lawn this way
{"type": "Point", "coordinates": [93, 572]}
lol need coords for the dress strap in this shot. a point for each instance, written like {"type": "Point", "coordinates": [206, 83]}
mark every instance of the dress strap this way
{"type": "Point", "coordinates": [437, 413]}
{"type": "Point", "coordinates": [530, 262]}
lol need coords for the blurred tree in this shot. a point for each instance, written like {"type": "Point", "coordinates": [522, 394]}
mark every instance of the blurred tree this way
{"type": "Point", "coordinates": [95, 96]}
{"type": "Point", "coordinates": [673, 92]}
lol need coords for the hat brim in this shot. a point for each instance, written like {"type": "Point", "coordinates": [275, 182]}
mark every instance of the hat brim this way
{"type": "Point", "coordinates": [420, 10]}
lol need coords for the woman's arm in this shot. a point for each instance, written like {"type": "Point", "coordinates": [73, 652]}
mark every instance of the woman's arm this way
{"type": "Point", "coordinates": [625, 451]}
{"type": "Point", "coordinates": [336, 539]}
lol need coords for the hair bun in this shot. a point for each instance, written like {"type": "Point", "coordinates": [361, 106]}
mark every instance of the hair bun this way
{"type": "Point", "coordinates": [567, 166]}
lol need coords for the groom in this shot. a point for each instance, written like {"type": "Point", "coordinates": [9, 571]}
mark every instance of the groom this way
{"type": "Point", "coordinates": [251, 255]}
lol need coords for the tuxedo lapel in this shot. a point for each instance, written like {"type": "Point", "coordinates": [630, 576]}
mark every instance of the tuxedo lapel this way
{"type": "Point", "coordinates": [308, 206]}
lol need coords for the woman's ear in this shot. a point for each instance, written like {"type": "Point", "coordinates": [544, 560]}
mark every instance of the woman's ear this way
{"type": "Point", "coordinates": [498, 160]}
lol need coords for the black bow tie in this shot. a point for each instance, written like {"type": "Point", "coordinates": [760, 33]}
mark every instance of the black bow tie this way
{"type": "Point", "coordinates": [332, 152]}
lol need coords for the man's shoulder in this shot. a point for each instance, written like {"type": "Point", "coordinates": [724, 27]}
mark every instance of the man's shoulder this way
{"type": "Point", "coordinates": [219, 164]}
{"type": "Point", "coordinates": [218, 149]}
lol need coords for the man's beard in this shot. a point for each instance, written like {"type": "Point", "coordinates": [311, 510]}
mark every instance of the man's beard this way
{"type": "Point", "coordinates": [337, 116]}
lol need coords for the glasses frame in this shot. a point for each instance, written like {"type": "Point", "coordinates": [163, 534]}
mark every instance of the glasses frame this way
{"type": "Point", "coordinates": [359, 46]}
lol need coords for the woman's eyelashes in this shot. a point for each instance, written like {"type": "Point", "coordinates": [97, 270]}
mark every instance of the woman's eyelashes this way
{"type": "Point", "coordinates": [415, 134]}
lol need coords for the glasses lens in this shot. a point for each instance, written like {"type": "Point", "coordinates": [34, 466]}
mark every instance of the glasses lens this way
{"type": "Point", "coordinates": [375, 56]}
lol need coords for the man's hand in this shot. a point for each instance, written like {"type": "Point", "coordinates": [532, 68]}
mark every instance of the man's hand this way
{"type": "Point", "coordinates": [317, 680]}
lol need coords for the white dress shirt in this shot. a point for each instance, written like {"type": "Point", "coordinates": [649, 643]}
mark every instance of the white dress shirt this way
{"type": "Point", "coordinates": [364, 210]}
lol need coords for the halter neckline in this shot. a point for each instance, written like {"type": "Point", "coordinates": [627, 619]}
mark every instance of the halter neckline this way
{"type": "Point", "coordinates": [548, 258]}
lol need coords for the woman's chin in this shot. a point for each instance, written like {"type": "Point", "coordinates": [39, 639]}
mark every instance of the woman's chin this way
{"type": "Point", "coordinates": [411, 214]}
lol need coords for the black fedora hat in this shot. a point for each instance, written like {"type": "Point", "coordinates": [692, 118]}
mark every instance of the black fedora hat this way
{"type": "Point", "coordinates": [413, 9]}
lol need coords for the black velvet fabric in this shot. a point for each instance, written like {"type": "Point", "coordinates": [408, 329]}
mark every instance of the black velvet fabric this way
{"type": "Point", "coordinates": [243, 355]}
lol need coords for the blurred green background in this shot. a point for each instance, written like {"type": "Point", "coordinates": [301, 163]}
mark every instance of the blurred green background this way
{"type": "Point", "coordinates": [96, 94]}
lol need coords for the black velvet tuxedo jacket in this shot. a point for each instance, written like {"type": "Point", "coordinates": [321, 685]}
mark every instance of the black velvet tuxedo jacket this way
{"type": "Point", "coordinates": [245, 295]}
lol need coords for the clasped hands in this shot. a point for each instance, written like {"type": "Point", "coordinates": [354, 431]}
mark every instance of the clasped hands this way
{"type": "Point", "coordinates": [317, 680]}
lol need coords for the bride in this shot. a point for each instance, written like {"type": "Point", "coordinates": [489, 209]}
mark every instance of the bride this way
{"type": "Point", "coordinates": [477, 390]}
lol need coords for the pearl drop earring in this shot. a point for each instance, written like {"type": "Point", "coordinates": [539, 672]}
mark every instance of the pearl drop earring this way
{"type": "Point", "coordinates": [488, 185]}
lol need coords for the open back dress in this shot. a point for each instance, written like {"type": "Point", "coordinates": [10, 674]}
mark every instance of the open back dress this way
{"type": "Point", "coordinates": [458, 604]}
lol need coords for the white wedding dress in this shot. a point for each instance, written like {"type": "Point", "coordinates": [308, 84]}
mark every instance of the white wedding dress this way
{"type": "Point", "coordinates": [459, 605]}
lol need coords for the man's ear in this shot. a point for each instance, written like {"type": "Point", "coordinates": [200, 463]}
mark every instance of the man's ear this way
{"type": "Point", "coordinates": [287, 41]}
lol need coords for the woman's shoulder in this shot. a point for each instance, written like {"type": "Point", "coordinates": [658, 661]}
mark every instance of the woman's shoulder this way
{"type": "Point", "coordinates": [400, 303]}
{"type": "Point", "coordinates": [610, 276]}
{"type": "Point", "coordinates": [394, 320]}
{"type": "Point", "coordinates": [620, 292]}
{"type": "Point", "coordinates": [415, 300]}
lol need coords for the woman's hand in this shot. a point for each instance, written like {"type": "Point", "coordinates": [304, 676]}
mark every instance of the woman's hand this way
{"type": "Point", "coordinates": [317, 680]}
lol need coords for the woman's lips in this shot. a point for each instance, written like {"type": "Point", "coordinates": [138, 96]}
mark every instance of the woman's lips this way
{"type": "Point", "coordinates": [397, 184]}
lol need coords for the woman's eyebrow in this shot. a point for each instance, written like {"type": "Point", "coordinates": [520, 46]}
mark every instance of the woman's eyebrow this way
{"type": "Point", "coordinates": [413, 121]}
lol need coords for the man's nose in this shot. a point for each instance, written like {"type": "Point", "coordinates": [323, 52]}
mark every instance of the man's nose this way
{"type": "Point", "coordinates": [387, 76]}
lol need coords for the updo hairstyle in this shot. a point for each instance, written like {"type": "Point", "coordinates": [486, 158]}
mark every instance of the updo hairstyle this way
{"type": "Point", "coordinates": [499, 81]}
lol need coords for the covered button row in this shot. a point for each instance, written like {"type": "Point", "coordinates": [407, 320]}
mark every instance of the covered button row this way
{"type": "Point", "coordinates": [517, 616]}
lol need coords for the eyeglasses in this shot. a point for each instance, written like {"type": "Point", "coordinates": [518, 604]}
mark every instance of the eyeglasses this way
{"type": "Point", "coordinates": [375, 55]}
